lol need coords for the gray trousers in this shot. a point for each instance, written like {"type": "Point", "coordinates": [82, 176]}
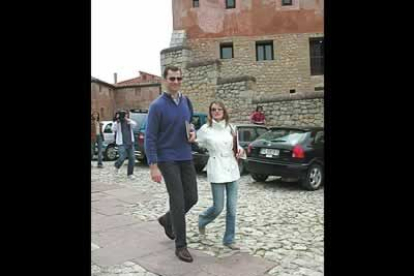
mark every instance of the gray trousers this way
{"type": "Point", "coordinates": [181, 182]}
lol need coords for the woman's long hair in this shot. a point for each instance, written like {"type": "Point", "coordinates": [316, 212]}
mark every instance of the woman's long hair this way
{"type": "Point", "coordinates": [225, 114]}
{"type": "Point", "coordinates": [98, 118]}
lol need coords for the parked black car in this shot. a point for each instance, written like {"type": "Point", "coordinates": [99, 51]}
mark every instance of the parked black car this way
{"type": "Point", "coordinates": [289, 152]}
{"type": "Point", "coordinates": [247, 133]}
{"type": "Point", "coordinates": [140, 117]}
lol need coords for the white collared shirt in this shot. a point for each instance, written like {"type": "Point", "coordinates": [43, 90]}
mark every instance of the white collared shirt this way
{"type": "Point", "coordinates": [177, 100]}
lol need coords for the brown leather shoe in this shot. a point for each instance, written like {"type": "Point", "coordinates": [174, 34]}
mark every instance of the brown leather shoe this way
{"type": "Point", "coordinates": [168, 231]}
{"type": "Point", "coordinates": [183, 254]}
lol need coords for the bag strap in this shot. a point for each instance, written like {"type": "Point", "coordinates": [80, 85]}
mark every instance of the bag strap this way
{"type": "Point", "coordinates": [232, 130]}
{"type": "Point", "coordinates": [190, 106]}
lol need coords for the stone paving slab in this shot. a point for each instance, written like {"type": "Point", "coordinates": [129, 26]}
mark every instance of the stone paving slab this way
{"type": "Point", "coordinates": [96, 216]}
{"type": "Point", "coordinates": [137, 198]}
{"type": "Point", "coordinates": [100, 187]}
{"type": "Point", "coordinates": [122, 192]}
{"type": "Point", "coordinates": [103, 223]}
{"type": "Point", "coordinates": [109, 207]}
{"type": "Point", "coordinates": [132, 245]}
{"type": "Point", "coordinates": [114, 255]}
{"type": "Point", "coordinates": [128, 233]}
{"type": "Point", "coordinates": [276, 222]}
{"type": "Point", "coordinates": [240, 264]}
{"type": "Point", "coordinates": [98, 196]}
{"type": "Point", "coordinates": [167, 264]}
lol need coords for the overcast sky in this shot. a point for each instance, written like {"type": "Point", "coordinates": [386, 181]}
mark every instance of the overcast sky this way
{"type": "Point", "coordinates": [127, 37]}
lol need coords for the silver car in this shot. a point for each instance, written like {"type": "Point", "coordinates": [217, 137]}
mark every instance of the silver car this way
{"type": "Point", "coordinates": [109, 148]}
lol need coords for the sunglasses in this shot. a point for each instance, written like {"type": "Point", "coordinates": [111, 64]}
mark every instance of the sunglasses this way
{"type": "Point", "coordinates": [174, 79]}
{"type": "Point", "coordinates": [216, 109]}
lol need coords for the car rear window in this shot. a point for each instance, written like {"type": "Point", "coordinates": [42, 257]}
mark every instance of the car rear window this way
{"type": "Point", "coordinates": [286, 136]}
{"type": "Point", "coordinates": [139, 118]}
{"type": "Point", "coordinates": [246, 134]}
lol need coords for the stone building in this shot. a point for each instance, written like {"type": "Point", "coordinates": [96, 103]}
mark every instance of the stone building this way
{"type": "Point", "coordinates": [136, 93]}
{"type": "Point", "coordinates": [251, 52]}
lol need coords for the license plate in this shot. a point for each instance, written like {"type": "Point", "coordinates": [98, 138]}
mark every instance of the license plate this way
{"type": "Point", "coordinates": [270, 152]}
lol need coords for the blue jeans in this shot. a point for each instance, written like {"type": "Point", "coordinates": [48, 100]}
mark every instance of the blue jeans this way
{"type": "Point", "coordinates": [93, 145]}
{"type": "Point", "coordinates": [125, 151]}
{"type": "Point", "coordinates": [211, 213]}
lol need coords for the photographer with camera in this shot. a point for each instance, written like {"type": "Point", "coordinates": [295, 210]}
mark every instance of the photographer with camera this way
{"type": "Point", "coordinates": [123, 126]}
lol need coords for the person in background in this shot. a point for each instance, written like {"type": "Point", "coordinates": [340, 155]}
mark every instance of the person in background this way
{"type": "Point", "coordinates": [123, 126]}
{"type": "Point", "coordinates": [258, 116]}
{"type": "Point", "coordinates": [96, 137]}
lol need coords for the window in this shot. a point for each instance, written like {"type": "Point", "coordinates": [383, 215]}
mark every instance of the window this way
{"type": "Point", "coordinates": [316, 56]}
{"type": "Point", "coordinates": [108, 128]}
{"type": "Point", "coordinates": [102, 113]}
{"type": "Point", "coordinates": [264, 50]}
{"type": "Point", "coordinates": [318, 138]}
{"type": "Point", "coordinates": [280, 135]}
{"type": "Point", "coordinates": [286, 2]}
{"type": "Point", "coordinates": [196, 3]}
{"type": "Point", "coordinates": [196, 122]}
{"type": "Point", "coordinates": [226, 50]}
{"type": "Point", "coordinates": [230, 4]}
{"type": "Point", "coordinates": [246, 134]}
{"type": "Point", "coordinates": [260, 131]}
{"type": "Point", "coordinates": [100, 88]}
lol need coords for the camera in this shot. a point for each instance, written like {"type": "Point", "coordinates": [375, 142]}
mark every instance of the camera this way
{"type": "Point", "coordinates": [122, 115]}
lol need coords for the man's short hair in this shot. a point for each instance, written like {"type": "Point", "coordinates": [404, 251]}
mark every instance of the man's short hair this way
{"type": "Point", "coordinates": [170, 68]}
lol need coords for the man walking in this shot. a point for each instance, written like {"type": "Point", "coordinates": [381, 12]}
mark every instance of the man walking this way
{"type": "Point", "coordinates": [169, 156]}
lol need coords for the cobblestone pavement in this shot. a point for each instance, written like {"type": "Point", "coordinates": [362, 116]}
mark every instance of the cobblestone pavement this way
{"type": "Point", "coordinates": [276, 221]}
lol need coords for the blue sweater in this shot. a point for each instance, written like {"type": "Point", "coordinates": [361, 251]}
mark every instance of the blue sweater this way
{"type": "Point", "coordinates": [165, 134]}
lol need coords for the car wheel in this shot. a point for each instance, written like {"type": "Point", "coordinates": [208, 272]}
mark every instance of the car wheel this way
{"type": "Point", "coordinates": [314, 178]}
{"type": "Point", "coordinates": [144, 160]}
{"type": "Point", "coordinates": [110, 153]}
{"type": "Point", "coordinates": [259, 177]}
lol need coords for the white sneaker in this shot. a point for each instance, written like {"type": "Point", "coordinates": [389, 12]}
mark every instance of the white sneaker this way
{"type": "Point", "coordinates": [131, 177]}
{"type": "Point", "coordinates": [233, 246]}
{"type": "Point", "coordinates": [202, 234]}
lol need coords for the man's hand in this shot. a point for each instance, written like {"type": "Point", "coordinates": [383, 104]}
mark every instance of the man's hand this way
{"type": "Point", "coordinates": [192, 137]}
{"type": "Point", "coordinates": [156, 175]}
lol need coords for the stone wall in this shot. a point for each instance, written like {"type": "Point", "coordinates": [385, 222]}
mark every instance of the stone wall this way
{"type": "Point", "coordinates": [107, 99]}
{"type": "Point", "coordinates": [305, 109]}
{"type": "Point", "coordinates": [242, 87]}
{"type": "Point", "coordinates": [302, 109]}
{"type": "Point", "coordinates": [236, 94]}
{"type": "Point", "coordinates": [136, 97]}
{"type": "Point", "coordinates": [290, 69]}
{"type": "Point", "coordinates": [102, 100]}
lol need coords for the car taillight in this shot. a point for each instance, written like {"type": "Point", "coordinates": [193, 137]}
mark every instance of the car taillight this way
{"type": "Point", "coordinates": [298, 152]}
{"type": "Point", "coordinates": [141, 137]}
{"type": "Point", "coordinates": [249, 148]}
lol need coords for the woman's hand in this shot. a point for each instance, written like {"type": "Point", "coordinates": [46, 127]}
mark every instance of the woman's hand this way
{"type": "Point", "coordinates": [240, 153]}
